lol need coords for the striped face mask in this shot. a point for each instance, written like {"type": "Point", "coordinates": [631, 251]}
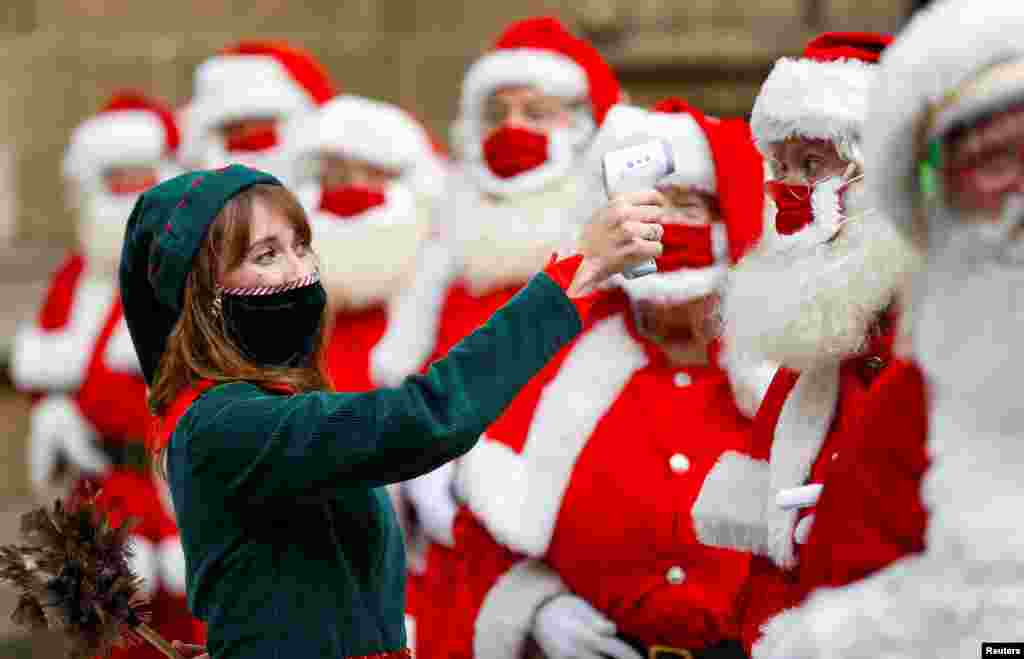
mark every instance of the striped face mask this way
{"type": "Point", "coordinates": [275, 325]}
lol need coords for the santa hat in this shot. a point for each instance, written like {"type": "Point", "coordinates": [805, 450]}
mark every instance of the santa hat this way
{"type": "Point", "coordinates": [257, 79]}
{"type": "Point", "coordinates": [821, 95]}
{"type": "Point", "coordinates": [132, 129]}
{"type": "Point", "coordinates": [937, 71]}
{"type": "Point", "coordinates": [715, 156]}
{"type": "Point", "coordinates": [376, 132]}
{"type": "Point", "coordinates": [540, 52]}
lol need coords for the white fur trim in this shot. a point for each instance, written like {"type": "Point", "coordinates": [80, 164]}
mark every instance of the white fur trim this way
{"type": "Point", "coordinates": [674, 287]}
{"type": "Point", "coordinates": [144, 563]}
{"type": "Point", "coordinates": [808, 98]}
{"type": "Point", "coordinates": [58, 429]}
{"type": "Point", "coordinates": [800, 432]}
{"type": "Point", "coordinates": [505, 620]}
{"type": "Point", "coordinates": [120, 354]}
{"type": "Point", "coordinates": [736, 507]}
{"type": "Point", "coordinates": [915, 73]}
{"type": "Point", "coordinates": [57, 360]}
{"type": "Point", "coordinates": [373, 131]}
{"type": "Point", "coordinates": [414, 317]}
{"type": "Point", "coordinates": [410, 632]}
{"type": "Point", "coordinates": [517, 496]}
{"type": "Point", "coordinates": [230, 87]}
{"type": "Point", "coordinates": [749, 379]}
{"type": "Point", "coordinates": [691, 152]}
{"type": "Point", "coordinates": [173, 569]}
{"type": "Point", "coordinates": [550, 72]}
{"type": "Point", "coordinates": [109, 139]}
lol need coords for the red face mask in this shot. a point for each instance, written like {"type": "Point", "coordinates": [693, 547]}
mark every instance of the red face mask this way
{"type": "Point", "coordinates": [253, 140]}
{"type": "Point", "coordinates": [130, 186]}
{"type": "Point", "coordinates": [511, 151]}
{"type": "Point", "coordinates": [350, 200]}
{"type": "Point", "coordinates": [794, 206]}
{"type": "Point", "coordinates": [685, 246]}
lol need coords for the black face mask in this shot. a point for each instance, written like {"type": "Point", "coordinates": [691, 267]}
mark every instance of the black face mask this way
{"type": "Point", "coordinates": [276, 326]}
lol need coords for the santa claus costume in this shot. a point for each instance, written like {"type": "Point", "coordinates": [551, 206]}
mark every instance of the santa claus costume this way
{"type": "Point", "coordinates": [247, 101]}
{"type": "Point", "coordinates": [508, 205]}
{"type": "Point", "coordinates": [366, 235]}
{"type": "Point", "coordinates": [577, 522]}
{"type": "Point", "coordinates": [78, 360]}
{"type": "Point", "coordinates": [933, 99]}
{"type": "Point", "coordinates": [816, 296]}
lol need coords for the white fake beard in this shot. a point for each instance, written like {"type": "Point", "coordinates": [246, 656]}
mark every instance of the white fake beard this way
{"type": "Point", "coordinates": [364, 260]}
{"type": "Point", "coordinates": [968, 321]}
{"type": "Point", "coordinates": [564, 148]}
{"type": "Point", "coordinates": [278, 161]}
{"type": "Point", "coordinates": [504, 243]}
{"type": "Point", "coordinates": [800, 301]}
{"type": "Point", "coordinates": [102, 218]}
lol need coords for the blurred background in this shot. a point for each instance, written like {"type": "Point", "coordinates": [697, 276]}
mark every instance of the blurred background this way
{"type": "Point", "coordinates": [60, 59]}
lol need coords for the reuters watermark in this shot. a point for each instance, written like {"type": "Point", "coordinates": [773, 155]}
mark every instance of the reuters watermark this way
{"type": "Point", "coordinates": [1002, 650]}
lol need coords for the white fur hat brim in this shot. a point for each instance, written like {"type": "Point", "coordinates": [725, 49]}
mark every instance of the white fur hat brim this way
{"type": "Point", "coordinates": [812, 99]}
{"type": "Point", "coordinates": [942, 47]}
{"type": "Point", "coordinates": [550, 72]}
{"type": "Point", "coordinates": [115, 139]}
{"type": "Point", "coordinates": [232, 87]}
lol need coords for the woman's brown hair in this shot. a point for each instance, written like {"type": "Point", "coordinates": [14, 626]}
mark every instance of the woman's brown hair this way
{"type": "Point", "coordinates": [199, 347]}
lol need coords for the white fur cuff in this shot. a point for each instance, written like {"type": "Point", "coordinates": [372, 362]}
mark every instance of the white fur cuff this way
{"type": "Point", "coordinates": [506, 617]}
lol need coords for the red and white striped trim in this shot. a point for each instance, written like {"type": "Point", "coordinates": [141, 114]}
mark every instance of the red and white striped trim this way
{"type": "Point", "coordinates": [308, 280]}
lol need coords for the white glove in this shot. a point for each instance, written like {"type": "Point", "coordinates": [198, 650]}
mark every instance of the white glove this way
{"type": "Point", "coordinates": [567, 627]}
{"type": "Point", "coordinates": [434, 500]}
{"type": "Point", "coordinates": [57, 427]}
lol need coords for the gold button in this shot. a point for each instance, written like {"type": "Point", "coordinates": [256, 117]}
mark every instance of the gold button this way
{"type": "Point", "coordinates": [681, 379]}
{"type": "Point", "coordinates": [875, 362]}
{"type": "Point", "coordinates": [675, 575]}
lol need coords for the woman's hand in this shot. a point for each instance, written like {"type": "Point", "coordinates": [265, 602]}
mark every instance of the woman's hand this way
{"type": "Point", "coordinates": [190, 651]}
{"type": "Point", "coordinates": [622, 234]}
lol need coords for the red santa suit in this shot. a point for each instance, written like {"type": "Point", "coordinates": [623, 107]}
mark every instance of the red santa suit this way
{"type": "Point", "coordinates": [813, 298]}
{"type": "Point", "coordinates": [253, 80]}
{"type": "Point", "coordinates": [79, 361]}
{"type": "Point", "coordinates": [506, 209]}
{"type": "Point", "coordinates": [550, 526]}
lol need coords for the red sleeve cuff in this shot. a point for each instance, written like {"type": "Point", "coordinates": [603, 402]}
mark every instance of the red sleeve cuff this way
{"type": "Point", "coordinates": [562, 272]}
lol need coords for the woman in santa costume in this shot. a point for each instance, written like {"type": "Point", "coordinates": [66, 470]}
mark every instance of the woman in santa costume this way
{"type": "Point", "coordinates": [247, 102]}
{"type": "Point", "coordinates": [816, 296]}
{"type": "Point", "coordinates": [527, 111]}
{"type": "Point", "coordinates": [576, 532]}
{"type": "Point", "coordinates": [944, 138]}
{"type": "Point", "coordinates": [78, 361]}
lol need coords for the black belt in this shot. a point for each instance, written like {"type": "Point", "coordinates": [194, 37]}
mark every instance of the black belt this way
{"type": "Point", "coordinates": [721, 650]}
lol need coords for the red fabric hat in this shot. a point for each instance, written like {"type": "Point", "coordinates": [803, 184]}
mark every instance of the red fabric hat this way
{"type": "Point", "coordinates": [737, 174]}
{"type": "Point", "coordinates": [132, 128]}
{"type": "Point", "coordinates": [821, 95]}
{"type": "Point", "coordinates": [541, 52]}
{"type": "Point", "coordinates": [258, 79]}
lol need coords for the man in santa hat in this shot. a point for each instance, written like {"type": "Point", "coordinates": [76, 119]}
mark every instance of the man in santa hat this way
{"type": "Point", "coordinates": [247, 100]}
{"type": "Point", "coordinates": [584, 547]}
{"type": "Point", "coordinates": [944, 141]}
{"type": "Point", "coordinates": [527, 111]}
{"type": "Point", "coordinates": [817, 297]}
{"type": "Point", "coordinates": [77, 358]}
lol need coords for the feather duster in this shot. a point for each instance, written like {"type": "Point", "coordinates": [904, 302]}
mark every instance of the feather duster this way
{"type": "Point", "coordinates": [71, 573]}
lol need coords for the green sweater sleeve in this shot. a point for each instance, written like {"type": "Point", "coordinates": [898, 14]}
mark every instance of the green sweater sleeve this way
{"type": "Point", "coordinates": [261, 447]}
